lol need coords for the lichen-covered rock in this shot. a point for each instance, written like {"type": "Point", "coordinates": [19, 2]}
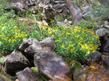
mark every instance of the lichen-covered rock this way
{"type": "Point", "coordinates": [26, 75]}
{"type": "Point", "coordinates": [15, 62]}
{"type": "Point", "coordinates": [51, 65]}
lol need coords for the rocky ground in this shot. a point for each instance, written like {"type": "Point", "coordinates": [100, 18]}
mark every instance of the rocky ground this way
{"type": "Point", "coordinates": [36, 60]}
{"type": "Point", "coordinates": [41, 56]}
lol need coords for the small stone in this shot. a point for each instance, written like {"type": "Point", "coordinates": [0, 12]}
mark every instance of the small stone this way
{"type": "Point", "coordinates": [26, 75]}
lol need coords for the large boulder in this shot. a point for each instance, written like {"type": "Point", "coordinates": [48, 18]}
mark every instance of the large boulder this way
{"type": "Point", "coordinates": [51, 65]}
{"type": "Point", "coordinates": [30, 46]}
{"type": "Point", "coordinates": [15, 62]}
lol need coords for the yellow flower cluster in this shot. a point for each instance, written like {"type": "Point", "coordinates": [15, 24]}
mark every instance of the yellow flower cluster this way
{"type": "Point", "coordinates": [72, 42]}
{"type": "Point", "coordinates": [10, 37]}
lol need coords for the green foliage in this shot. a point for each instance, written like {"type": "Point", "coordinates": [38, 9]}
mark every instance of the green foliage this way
{"type": "Point", "coordinates": [10, 34]}
{"type": "Point", "coordinates": [2, 6]}
{"type": "Point", "coordinates": [99, 12]}
{"type": "Point", "coordinates": [91, 24]}
{"type": "Point", "coordinates": [73, 43]}
{"type": "Point", "coordinates": [34, 69]}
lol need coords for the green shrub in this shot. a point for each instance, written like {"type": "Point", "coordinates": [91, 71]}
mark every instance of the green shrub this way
{"type": "Point", "coordinates": [73, 43]}
{"type": "Point", "coordinates": [91, 24]}
{"type": "Point", "coordinates": [10, 34]}
{"type": "Point", "coordinates": [3, 4]}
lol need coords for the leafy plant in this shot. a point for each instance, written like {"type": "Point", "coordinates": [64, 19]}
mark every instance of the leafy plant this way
{"type": "Point", "coordinates": [10, 34]}
{"type": "Point", "coordinates": [73, 43]}
{"type": "Point", "coordinates": [91, 24]}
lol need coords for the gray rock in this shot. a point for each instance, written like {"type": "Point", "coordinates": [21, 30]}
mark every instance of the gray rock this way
{"type": "Point", "coordinates": [95, 57]}
{"type": "Point", "coordinates": [26, 75]}
{"type": "Point", "coordinates": [26, 43]}
{"type": "Point", "coordinates": [102, 31]}
{"type": "Point", "coordinates": [49, 42]}
{"type": "Point", "coordinates": [51, 65]}
{"type": "Point", "coordinates": [15, 62]}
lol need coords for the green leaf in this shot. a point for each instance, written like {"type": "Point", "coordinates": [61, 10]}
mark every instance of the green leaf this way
{"type": "Point", "coordinates": [34, 69]}
{"type": "Point", "coordinates": [2, 60]}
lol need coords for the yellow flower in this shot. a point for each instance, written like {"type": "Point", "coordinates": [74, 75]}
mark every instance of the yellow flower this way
{"type": "Point", "coordinates": [63, 46]}
{"type": "Point", "coordinates": [85, 46]}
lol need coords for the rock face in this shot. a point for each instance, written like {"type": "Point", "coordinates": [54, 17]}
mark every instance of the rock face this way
{"type": "Point", "coordinates": [26, 75]}
{"type": "Point", "coordinates": [48, 62]}
{"type": "Point", "coordinates": [51, 65]}
{"type": "Point", "coordinates": [15, 62]}
{"type": "Point", "coordinates": [42, 54]}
